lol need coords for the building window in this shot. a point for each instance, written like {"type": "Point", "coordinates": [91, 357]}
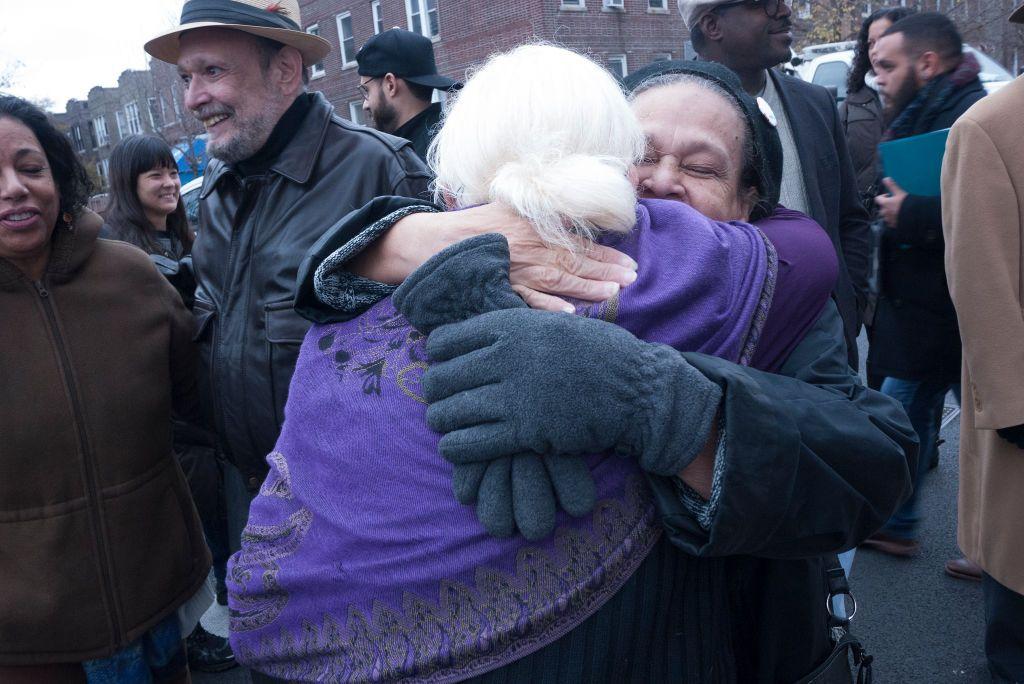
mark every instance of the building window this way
{"type": "Point", "coordinates": [657, 5]}
{"type": "Point", "coordinates": [102, 170]}
{"type": "Point", "coordinates": [378, 17]}
{"type": "Point", "coordinates": [573, 5]}
{"type": "Point", "coordinates": [614, 5]}
{"type": "Point", "coordinates": [355, 112]}
{"type": "Point", "coordinates": [156, 117]}
{"type": "Point", "coordinates": [100, 124]}
{"type": "Point", "coordinates": [422, 17]}
{"type": "Point", "coordinates": [177, 107]}
{"type": "Point", "coordinates": [76, 138]}
{"type": "Point", "coordinates": [317, 70]}
{"type": "Point", "coordinates": [661, 57]}
{"type": "Point", "coordinates": [617, 65]}
{"type": "Point", "coordinates": [120, 124]}
{"type": "Point", "coordinates": [347, 40]}
{"type": "Point", "coordinates": [131, 115]}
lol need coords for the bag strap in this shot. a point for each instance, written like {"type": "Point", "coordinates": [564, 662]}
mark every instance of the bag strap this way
{"type": "Point", "coordinates": [838, 586]}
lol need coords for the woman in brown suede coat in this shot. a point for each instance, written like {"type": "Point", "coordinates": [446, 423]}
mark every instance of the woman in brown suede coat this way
{"type": "Point", "coordinates": [99, 540]}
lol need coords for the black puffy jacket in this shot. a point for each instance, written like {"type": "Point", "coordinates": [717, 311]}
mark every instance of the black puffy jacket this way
{"type": "Point", "coordinates": [254, 231]}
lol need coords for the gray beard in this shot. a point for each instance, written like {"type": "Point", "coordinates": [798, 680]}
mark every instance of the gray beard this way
{"type": "Point", "coordinates": [245, 143]}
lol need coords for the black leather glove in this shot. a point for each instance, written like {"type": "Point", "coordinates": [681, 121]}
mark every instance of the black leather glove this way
{"type": "Point", "coordinates": [1014, 435]}
{"type": "Point", "coordinates": [520, 381]}
{"type": "Point", "coordinates": [511, 491]}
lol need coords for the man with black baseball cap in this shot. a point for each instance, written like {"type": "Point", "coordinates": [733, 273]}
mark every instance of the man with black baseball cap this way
{"type": "Point", "coordinates": [397, 77]}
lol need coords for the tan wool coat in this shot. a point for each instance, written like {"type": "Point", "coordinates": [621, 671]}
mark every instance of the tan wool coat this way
{"type": "Point", "coordinates": [983, 221]}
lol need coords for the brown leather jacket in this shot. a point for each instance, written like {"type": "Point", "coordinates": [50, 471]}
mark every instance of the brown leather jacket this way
{"type": "Point", "coordinates": [99, 539]}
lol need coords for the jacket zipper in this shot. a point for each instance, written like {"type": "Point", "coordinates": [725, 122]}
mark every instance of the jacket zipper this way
{"type": "Point", "coordinates": [257, 214]}
{"type": "Point", "coordinates": [91, 480]}
{"type": "Point", "coordinates": [218, 357]}
{"type": "Point", "coordinates": [217, 344]}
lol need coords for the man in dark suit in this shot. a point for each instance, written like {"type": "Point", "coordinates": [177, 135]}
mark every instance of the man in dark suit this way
{"type": "Point", "coordinates": [750, 37]}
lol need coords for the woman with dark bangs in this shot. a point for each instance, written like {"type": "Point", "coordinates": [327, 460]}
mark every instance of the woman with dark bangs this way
{"type": "Point", "coordinates": [145, 198]}
{"type": "Point", "coordinates": [146, 209]}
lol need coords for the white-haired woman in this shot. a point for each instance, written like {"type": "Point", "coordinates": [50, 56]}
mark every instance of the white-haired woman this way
{"type": "Point", "coordinates": [358, 564]}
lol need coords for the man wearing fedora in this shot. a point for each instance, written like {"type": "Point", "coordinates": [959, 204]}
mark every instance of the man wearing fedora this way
{"type": "Point", "coordinates": [983, 226]}
{"type": "Point", "coordinates": [397, 77]}
{"type": "Point", "coordinates": [285, 169]}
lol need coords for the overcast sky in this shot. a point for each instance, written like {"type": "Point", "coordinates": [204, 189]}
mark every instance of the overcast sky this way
{"type": "Point", "coordinates": [59, 49]}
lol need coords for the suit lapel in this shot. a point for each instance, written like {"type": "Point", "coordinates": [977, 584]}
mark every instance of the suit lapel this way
{"type": "Point", "coordinates": [807, 126]}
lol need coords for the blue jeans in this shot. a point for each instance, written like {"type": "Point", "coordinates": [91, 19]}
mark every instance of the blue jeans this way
{"type": "Point", "coordinates": [156, 656]}
{"type": "Point", "coordinates": [922, 400]}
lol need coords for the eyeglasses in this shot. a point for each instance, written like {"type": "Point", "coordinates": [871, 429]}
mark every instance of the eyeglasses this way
{"type": "Point", "coordinates": [772, 8]}
{"type": "Point", "coordinates": [363, 89]}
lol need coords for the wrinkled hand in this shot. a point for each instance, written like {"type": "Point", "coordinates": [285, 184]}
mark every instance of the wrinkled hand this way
{"type": "Point", "coordinates": [889, 205]}
{"type": "Point", "coordinates": [543, 275]}
{"type": "Point", "coordinates": [520, 381]}
{"type": "Point", "coordinates": [1014, 435]}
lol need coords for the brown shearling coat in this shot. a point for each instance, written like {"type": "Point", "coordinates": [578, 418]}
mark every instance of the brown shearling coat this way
{"type": "Point", "coordinates": [99, 539]}
{"type": "Point", "coordinates": [983, 221]}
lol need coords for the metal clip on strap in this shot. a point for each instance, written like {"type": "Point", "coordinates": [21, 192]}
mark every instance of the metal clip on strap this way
{"type": "Point", "coordinates": [838, 585]}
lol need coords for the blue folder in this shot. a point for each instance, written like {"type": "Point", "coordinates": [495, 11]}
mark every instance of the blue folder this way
{"type": "Point", "coordinates": [915, 163]}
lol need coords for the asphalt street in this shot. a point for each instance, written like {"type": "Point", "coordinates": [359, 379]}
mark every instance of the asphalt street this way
{"type": "Point", "coordinates": [919, 624]}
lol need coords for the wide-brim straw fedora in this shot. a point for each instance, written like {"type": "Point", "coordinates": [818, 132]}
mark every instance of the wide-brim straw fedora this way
{"type": "Point", "coordinates": [278, 21]}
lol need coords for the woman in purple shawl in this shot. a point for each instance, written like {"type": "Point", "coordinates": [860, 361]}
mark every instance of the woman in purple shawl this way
{"type": "Point", "coordinates": [358, 564]}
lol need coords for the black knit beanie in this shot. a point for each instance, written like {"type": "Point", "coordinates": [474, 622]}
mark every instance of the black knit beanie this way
{"type": "Point", "coordinates": [761, 122]}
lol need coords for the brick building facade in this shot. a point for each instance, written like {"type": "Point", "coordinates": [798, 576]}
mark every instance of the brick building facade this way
{"type": "Point", "coordinates": [142, 102]}
{"type": "Point", "coordinates": [625, 35]}
{"type": "Point", "coordinates": [622, 34]}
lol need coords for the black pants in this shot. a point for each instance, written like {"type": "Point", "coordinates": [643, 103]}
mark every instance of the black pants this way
{"type": "Point", "coordinates": [1004, 631]}
{"type": "Point", "coordinates": [206, 482]}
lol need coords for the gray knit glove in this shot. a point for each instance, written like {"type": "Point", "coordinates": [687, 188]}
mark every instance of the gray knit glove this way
{"type": "Point", "coordinates": [519, 381]}
{"type": "Point", "coordinates": [515, 490]}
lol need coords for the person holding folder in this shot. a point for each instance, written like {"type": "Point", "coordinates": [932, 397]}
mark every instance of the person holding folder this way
{"type": "Point", "coordinates": [927, 83]}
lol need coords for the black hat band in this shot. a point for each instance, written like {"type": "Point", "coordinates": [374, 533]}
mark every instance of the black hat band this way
{"type": "Point", "coordinates": [231, 12]}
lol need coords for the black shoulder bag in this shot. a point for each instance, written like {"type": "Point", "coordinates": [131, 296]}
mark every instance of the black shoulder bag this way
{"type": "Point", "coordinates": [848, 654]}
